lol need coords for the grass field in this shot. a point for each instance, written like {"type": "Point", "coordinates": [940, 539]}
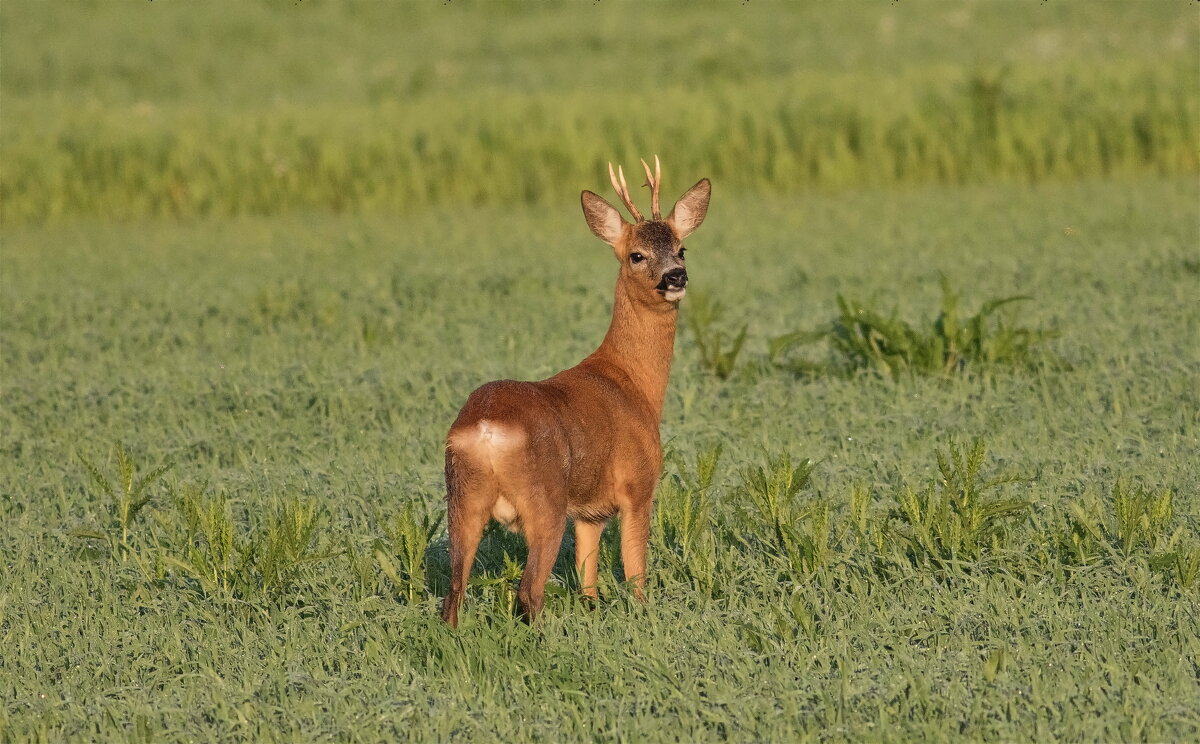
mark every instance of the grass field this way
{"type": "Point", "coordinates": [1003, 546]}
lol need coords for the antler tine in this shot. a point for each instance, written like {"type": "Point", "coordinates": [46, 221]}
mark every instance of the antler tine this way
{"type": "Point", "coordinates": [626, 196]}
{"type": "Point", "coordinates": [622, 190]}
{"type": "Point", "coordinates": [657, 183]}
{"type": "Point", "coordinates": [653, 182]}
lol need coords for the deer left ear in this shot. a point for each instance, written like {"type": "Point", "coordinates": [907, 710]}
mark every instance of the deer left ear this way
{"type": "Point", "coordinates": [603, 218]}
{"type": "Point", "coordinates": [689, 211]}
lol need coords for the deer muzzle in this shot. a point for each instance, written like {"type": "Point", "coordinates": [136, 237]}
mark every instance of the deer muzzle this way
{"type": "Point", "coordinates": [673, 284]}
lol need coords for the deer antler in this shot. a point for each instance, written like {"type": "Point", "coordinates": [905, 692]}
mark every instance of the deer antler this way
{"type": "Point", "coordinates": [623, 191]}
{"type": "Point", "coordinates": [653, 182]}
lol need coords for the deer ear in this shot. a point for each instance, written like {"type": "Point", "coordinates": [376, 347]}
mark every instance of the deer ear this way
{"type": "Point", "coordinates": [689, 211]}
{"type": "Point", "coordinates": [604, 219]}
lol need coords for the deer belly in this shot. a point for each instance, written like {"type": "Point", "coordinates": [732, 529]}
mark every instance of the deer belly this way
{"type": "Point", "coordinates": [592, 511]}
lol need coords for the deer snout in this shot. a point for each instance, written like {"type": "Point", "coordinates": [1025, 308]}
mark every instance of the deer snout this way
{"type": "Point", "coordinates": [676, 278]}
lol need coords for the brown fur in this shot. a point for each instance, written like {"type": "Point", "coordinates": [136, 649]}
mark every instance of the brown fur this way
{"type": "Point", "coordinates": [584, 443]}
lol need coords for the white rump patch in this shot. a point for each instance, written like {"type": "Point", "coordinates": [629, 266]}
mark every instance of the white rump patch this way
{"type": "Point", "coordinates": [487, 436]}
{"type": "Point", "coordinates": [499, 437]}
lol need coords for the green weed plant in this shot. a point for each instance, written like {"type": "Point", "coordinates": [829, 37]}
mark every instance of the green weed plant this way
{"type": "Point", "coordinates": [683, 518]}
{"type": "Point", "coordinates": [794, 533]}
{"type": "Point", "coordinates": [1133, 521]}
{"type": "Point", "coordinates": [126, 499]}
{"type": "Point", "coordinates": [229, 562]}
{"type": "Point", "coordinates": [718, 349]}
{"type": "Point", "coordinates": [863, 338]}
{"type": "Point", "coordinates": [960, 518]}
{"type": "Point", "coordinates": [408, 536]}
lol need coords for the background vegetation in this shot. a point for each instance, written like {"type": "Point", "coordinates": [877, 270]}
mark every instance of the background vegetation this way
{"type": "Point", "coordinates": [172, 111]}
{"type": "Point", "coordinates": [254, 258]}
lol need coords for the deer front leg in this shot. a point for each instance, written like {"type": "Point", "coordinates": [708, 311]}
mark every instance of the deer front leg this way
{"type": "Point", "coordinates": [587, 554]}
{"type": "Point", "coordinates": [635, 533]}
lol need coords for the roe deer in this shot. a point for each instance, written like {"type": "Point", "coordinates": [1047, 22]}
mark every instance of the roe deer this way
{"type": "Point", "coordinates": [584, 443]}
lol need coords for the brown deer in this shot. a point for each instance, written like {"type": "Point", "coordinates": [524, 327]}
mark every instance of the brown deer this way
{"type": "Point", "coordinates": [584, 443]}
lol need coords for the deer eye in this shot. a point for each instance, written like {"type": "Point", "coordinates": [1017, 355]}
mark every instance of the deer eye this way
{"type": "Point", "coordinates": [682, 250]}
{"type": "Point", "coordinates": [636, 258]}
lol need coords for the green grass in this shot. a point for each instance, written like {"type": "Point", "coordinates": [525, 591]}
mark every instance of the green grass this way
{"type": "Point", "coordinates": [282, 580]}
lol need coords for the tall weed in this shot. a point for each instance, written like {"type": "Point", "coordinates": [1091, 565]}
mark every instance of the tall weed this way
{"type": "Point", "coordinates": [212, 552]}
{"type": "Point", "coordinates": [408, 535]}
{"type": "Point", "coordinates": [794, 533]}
{"type": "Point", "coordinates": [862, 337]}
{"type": "Point", "coordinates": [125, 500]}
{"type": "Point", "coordinates": [683, 519]}
{"type": "Point", "coordinates": [959, 518]}
{"type": "Point", "coordinates": [1132, 522]}
{"type": "Point", "coordinates": [718, 349]}
{"type": "Point", "coordinates": [251, 566]}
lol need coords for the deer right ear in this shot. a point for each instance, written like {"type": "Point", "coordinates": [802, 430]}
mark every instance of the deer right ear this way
{"type": "Point", "coordinates": [689, 211]}
{"type": "Point", "coordinates": [604, 219]}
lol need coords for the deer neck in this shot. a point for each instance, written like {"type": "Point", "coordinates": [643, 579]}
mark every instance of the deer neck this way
{"type": "Point", "coordinates": [641, 341]}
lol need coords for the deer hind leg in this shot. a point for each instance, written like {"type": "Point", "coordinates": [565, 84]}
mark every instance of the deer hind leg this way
{"type": "Point", "coordinates": [538, 503]}
{"type": "Point", "coordinates": [496, 475]}
{"type": "Point", "coordinates": [470, 498]}
{"type": "Point", "coordinates": [543, 534]}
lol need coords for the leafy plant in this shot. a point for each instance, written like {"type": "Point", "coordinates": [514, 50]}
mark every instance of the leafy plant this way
{"type": "Point", "coordinates": [1141, 517]}
{"type": "Point", "coordinates": [682, 510]}
{"type": "Point", "coordinates": [1182, 565]}
{"type": "Point", "coordinates": [125, 500]}
{"type": "Point", "coordinates": [212, 553]}
{"type": "Point", "coordinates": [861, 337]}
{"type": "Point", "coordinates": [502, 587]}
{"type": "Point", "coordinates": [1137, 523]}
{"type": "Point", "coordinates": [287, 543]}
{"type": "Point", "coordinates": [683, 519]}
{"type": "Point", "coordinates": [957, 518]}
{"type": "Point", "coordinates": [718, 350]}
{"type": "Point", "coordinates": [408, 533]}
{"type": "Point", "coordinates": [258, 566]}
{"type": "Point", "coordinates": [798, 535]}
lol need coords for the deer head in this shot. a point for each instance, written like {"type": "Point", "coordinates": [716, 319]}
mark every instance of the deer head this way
{"type": "Point", "coordinates": [650, 250]}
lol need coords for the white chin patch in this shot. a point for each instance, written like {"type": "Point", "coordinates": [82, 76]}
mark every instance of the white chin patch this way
{"type": "Point", "coordinates": [674, 295]}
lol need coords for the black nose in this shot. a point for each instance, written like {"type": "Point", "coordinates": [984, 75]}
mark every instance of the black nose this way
{"type": "Point", "coordinates": [675, 278]}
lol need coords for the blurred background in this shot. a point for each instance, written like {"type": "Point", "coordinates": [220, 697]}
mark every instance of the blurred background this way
{"type": "Point", "coordinates": [128, 111]}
